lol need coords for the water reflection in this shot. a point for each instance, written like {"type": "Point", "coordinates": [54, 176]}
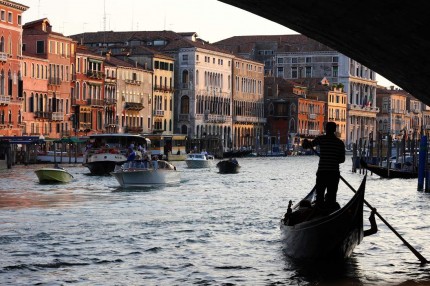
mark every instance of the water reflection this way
{"type": "Point", "coordinates": [324, 272]}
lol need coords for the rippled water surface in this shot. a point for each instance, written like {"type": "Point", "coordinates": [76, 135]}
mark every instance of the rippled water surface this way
{"type": "Point", "coordinates": [211, 229]}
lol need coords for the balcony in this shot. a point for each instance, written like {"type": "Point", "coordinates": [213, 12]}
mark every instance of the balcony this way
{"type": "Point", "coordinates": [4, 99]}
{"type": "Point", "coordinates": [95, 102]}
{"type": "Point", "coordinates": [133, 106]}
{"type": "Point", "coordinates": [110, 125]}
{"type": "Point", "coordinates": [84, 126]}
{"type": "Point", "coordinates": [57, 116]}
{"type": "Point", "coordinates": [3, 57]}
{"type": "Point", "coordinates": [54, 81]}
{"type": "Point", "coordinates": [159, 113]}
{"type": "Point", "coordinates": [76, 102]}
{"type": "Point", "coordinates": [214, 118]}
{"type": "Point", "coordinates": [110, 101]}
{"type": "Point", "coordinates": [249, 119]}
{"type": "Point", "coordinates": [133, 81]}
{"type": "Point", "coordinates": [133, 129]}
{"type": "Point", "coordinates": [43, 114]}
{"type": "Point", "coordinates": [95, 74]}
{"type": "Point", "coordinates": [5, 124]}
{"type": "Point", "coordinates": [312, 116]}
{"type": "Point", "coordinates": [163, 88]}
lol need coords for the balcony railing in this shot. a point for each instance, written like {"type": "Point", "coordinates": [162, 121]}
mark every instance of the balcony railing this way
{"type": "Point", "coordinates": [133, 106]}
{"type": "Point", "coordinates": [215, 118]}
{"type": "Point", "coordinates": [4, 99]}
{"type": "Point", "coordinates": [133, 129]}
{"type": "Point", "coordinates": [43, 114]}
{"type": "Point", "coordinates": [3, 57]}
{"type": "Point", "coordinates": [57, 116]}
{"type": "Point", "coordinates": [84, 126]}
{"type": "Point", "coordinates": [159, 113]}
{"type": "Point", "coordinates": [110, 101]}
{"type": "Point", "coordinates": [95, 102]}
{"type": "Point", "coordinates": [54, 81]}
{"type": "Point", "coordinates": [133, 81]}
{"type": "Point", "coordinates": [95, 74]}
{"type": "Point", "coordinates": [249, 119]}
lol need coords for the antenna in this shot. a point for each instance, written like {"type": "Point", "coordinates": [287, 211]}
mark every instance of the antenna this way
{"type": "Point", "coordinates": [104, 15]}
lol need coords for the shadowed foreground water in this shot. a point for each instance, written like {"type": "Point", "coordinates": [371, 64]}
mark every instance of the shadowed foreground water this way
{"type": "Point", "coordinates": [211, 229]}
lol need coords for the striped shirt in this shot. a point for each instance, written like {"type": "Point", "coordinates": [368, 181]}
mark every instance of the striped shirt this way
{"type": "Point", "coordinates": [332, 152]}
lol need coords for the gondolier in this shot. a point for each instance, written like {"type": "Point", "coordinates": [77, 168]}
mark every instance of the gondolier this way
{"type": "Point", "coordinates": [332, 153]}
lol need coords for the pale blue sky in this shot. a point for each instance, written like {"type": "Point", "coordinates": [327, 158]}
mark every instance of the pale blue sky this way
{"type": "Point", "coordinates": [211, 19]}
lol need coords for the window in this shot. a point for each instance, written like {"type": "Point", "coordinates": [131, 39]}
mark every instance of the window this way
{"type": "Point", "coordinates": [280, 60]}
{"type": "Point", "coordinates": [294, 60]}
{"type": "Point", "coordinates": [3, 15]}
{"type": "Point", "coordinates": [19, 20]}
{"type": "Point", "coordinates": [308, 59]}
{"type": "Point", "coordinates": [185, 57]}
{"type": "Point", "coordinates": [335, 71]}
{"type": "Point", "coordinates": [40, 47]}
{"type": "Point", "coordinates": [294, 72]}
{"type": "Point", "coordinates": [308, 72]}
{"type": "Point", "coordinates": [9, 17]}
{"type": "Point", "coordinates": [335, 59]}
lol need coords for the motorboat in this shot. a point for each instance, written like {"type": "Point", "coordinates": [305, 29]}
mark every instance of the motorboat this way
{"type": "Point", "coordinates": [331, 235]}
{"type": "Point", "coordinates": [108, 150]}
{"type": "Point", "coordinates": [229, 166]}
{"type": "Point", "coordinates": [53, 175]}
{"type": "Point", "coordinates": [146, 173]}
{"type": "Point", "coordinates": [199, 160]}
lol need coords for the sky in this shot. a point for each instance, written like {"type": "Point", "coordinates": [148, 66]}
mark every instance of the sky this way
{"type": "Point", "coordinates": [211, 19]}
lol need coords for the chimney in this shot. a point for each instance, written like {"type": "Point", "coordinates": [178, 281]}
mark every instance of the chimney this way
{"type": "Point", "coordinates": [392, 87]}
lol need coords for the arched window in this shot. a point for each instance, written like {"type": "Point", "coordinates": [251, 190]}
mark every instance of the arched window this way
{"type": "Point", "coordinates": [185, 79]}
{"type": "Point", "coordinates": [185, 104]}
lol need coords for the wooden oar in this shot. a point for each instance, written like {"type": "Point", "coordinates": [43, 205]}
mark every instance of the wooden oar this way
{"type": "Point", "coordinates": [413, 250]}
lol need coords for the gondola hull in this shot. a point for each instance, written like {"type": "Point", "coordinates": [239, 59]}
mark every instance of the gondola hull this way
{"type": "Point", "coordinates": [389, 173]}
{"type": "Point", "coordinates": [328, 237]}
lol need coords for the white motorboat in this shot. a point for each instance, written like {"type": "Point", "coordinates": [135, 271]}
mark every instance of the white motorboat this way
{"type": "Point", "coordinates": [53, 175]}
{"type": "Point", "coordinates": [199, 160]}
{"type": "Point", "coordinates": [109, 150]}
{"type": "Point", "coordinates": [146, 173]}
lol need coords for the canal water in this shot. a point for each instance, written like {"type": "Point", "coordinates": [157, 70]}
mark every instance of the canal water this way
{"type": "Point", "coordinates": [211, 229]}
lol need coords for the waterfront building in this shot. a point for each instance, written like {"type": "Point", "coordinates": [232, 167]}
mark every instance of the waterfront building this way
{"type": "Point", "coordinates": [296, 56]}
{"type": "Point", "coordinates": [88, 100]}
{"type": "Point", "coordinates": [133, 95]}
{"type": "Point", "coordinates": [248, 103]}
{"type": "Point", "coordinates": [36, 117]}
{"type": "Point", "coordinates": [163, 84]}
{"type": "Point", "coordinates": [202, 79]}
{"type": "Point", "coordinates": [335, 99]}
{"type": "Point", "coordinates": [292, 115]}
{"type": "Point", "coordinates": [393, 120]}
{"type": "Point", "coordinates": [39, 41]}
{"type": "Point", "coordinates": [11, 82]}
{"type": "Point", "coordinates": [416, 114]}
{"type": "Point", "coordinates": [203, 90]}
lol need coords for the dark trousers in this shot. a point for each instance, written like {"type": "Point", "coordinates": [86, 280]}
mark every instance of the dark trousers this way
{"type": "Point", "coordinates": [327, 180]}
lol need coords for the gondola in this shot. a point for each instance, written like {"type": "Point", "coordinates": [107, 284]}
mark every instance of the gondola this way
{"type": "Point", "coordinates": [229, 166]}
{"type": "Point", "coordinates": [323, 236]}
{"type": "Point", "coordinates": [389, 173]}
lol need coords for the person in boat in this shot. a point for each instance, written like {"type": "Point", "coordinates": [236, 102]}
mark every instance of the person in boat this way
{"type": "Point", "coordinates": [332, 153]}
{"type": "Point", "coordinates": [131, 154]}
{"type": "Point", "coordinates": [303, 213]}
